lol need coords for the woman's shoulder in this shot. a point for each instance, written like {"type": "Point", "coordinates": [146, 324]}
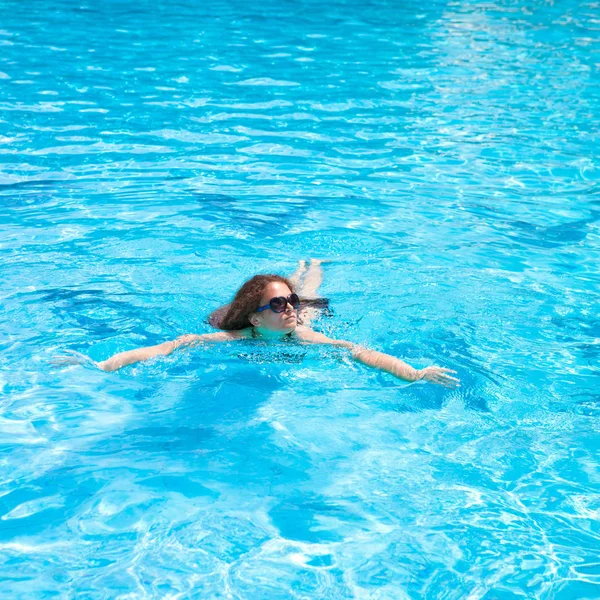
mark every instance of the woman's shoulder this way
{"type": "Point", "coordinates": [220, 336]}
{"type": "Point", "coordinates": [306, 334]}
{"type": "Point", "coordinates": [239, 334]}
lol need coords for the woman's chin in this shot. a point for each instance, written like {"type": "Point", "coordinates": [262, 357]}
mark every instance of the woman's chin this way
{"type": "Point", "coordinates": [288, 326]}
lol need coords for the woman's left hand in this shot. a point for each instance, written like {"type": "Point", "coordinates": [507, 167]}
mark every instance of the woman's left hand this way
{"type": "Point", "coordinates": [439, 375]}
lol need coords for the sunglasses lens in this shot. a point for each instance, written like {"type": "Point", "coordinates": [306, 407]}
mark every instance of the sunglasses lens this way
{"type": "Point", "coordinates": [278, 304]}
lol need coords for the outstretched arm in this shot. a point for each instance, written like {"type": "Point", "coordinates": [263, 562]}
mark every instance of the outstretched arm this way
{"type": "Point", "coordinates": [384, 362]}
{"type": "Point", "coordinates": [132, 356]}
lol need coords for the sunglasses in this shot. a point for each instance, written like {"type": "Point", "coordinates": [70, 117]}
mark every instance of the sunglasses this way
{"type": "Point", "coordinates": [280, 303]}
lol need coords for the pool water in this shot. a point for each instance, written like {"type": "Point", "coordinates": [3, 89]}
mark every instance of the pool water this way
{"type": "Point", "coordinates": [443, 156]}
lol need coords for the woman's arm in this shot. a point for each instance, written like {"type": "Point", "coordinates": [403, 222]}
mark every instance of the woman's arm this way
{"type": "Point", "coordinates": [132, 356]}
{"type": "Point", "coordinates": [384, 362]}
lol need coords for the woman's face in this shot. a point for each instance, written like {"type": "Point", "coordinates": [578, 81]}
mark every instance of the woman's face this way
{"type": "Point", "coordinates": [269, 320]}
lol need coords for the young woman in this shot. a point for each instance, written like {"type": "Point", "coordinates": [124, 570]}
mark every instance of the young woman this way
{"type": "Point", "coordinates": [268, 307]}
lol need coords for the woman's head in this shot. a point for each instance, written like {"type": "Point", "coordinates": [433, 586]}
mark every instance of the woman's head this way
{"type": "Point", "coordinates": [257, 293]}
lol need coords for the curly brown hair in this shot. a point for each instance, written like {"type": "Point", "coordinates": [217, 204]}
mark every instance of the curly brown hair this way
{"type": "Point", "coordinates": [246, 301]}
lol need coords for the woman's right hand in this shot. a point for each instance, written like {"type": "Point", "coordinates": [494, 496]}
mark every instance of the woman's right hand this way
{"type": "Point", "coordinates": [72, 358]}
{"type": "Point", "coordinates": [189, 338]}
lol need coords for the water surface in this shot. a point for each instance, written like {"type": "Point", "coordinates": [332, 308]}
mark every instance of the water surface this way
{"type": "Point", "coordinates": [443, 156]}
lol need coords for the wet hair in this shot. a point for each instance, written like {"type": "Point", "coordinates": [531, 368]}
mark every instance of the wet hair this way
{"type": "Point", "coordinates": [236, 315]}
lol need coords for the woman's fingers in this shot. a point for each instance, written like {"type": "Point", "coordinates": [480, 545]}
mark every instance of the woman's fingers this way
{"type": "Point", "coordinates": [450, 384]}
{"type": "Point", "coordinates": [440, 375]}
{"type": "Point", "coordinates": [61, 361]}
{"type": "Point", "coordinates": [71, 358]}
{"type": "Point", "coordinates": [446, 383]}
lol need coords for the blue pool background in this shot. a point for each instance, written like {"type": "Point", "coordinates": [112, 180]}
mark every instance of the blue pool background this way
{"type": "Point", "coordinates": [443, 156]}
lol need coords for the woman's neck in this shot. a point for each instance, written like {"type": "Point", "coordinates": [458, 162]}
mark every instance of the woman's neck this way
{"type": "Point", "coordinates": [270, 334]}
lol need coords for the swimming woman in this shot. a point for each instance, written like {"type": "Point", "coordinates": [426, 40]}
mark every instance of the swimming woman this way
{"type": "Point", "coordinates": [267, 307]}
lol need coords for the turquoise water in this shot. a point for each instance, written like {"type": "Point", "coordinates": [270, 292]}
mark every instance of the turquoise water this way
{"type": "Point", "coordinates": [443, 155]}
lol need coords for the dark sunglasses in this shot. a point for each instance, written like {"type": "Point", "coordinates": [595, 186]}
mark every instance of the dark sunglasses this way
{"type": "Point", "coordinates": [280, 303]}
